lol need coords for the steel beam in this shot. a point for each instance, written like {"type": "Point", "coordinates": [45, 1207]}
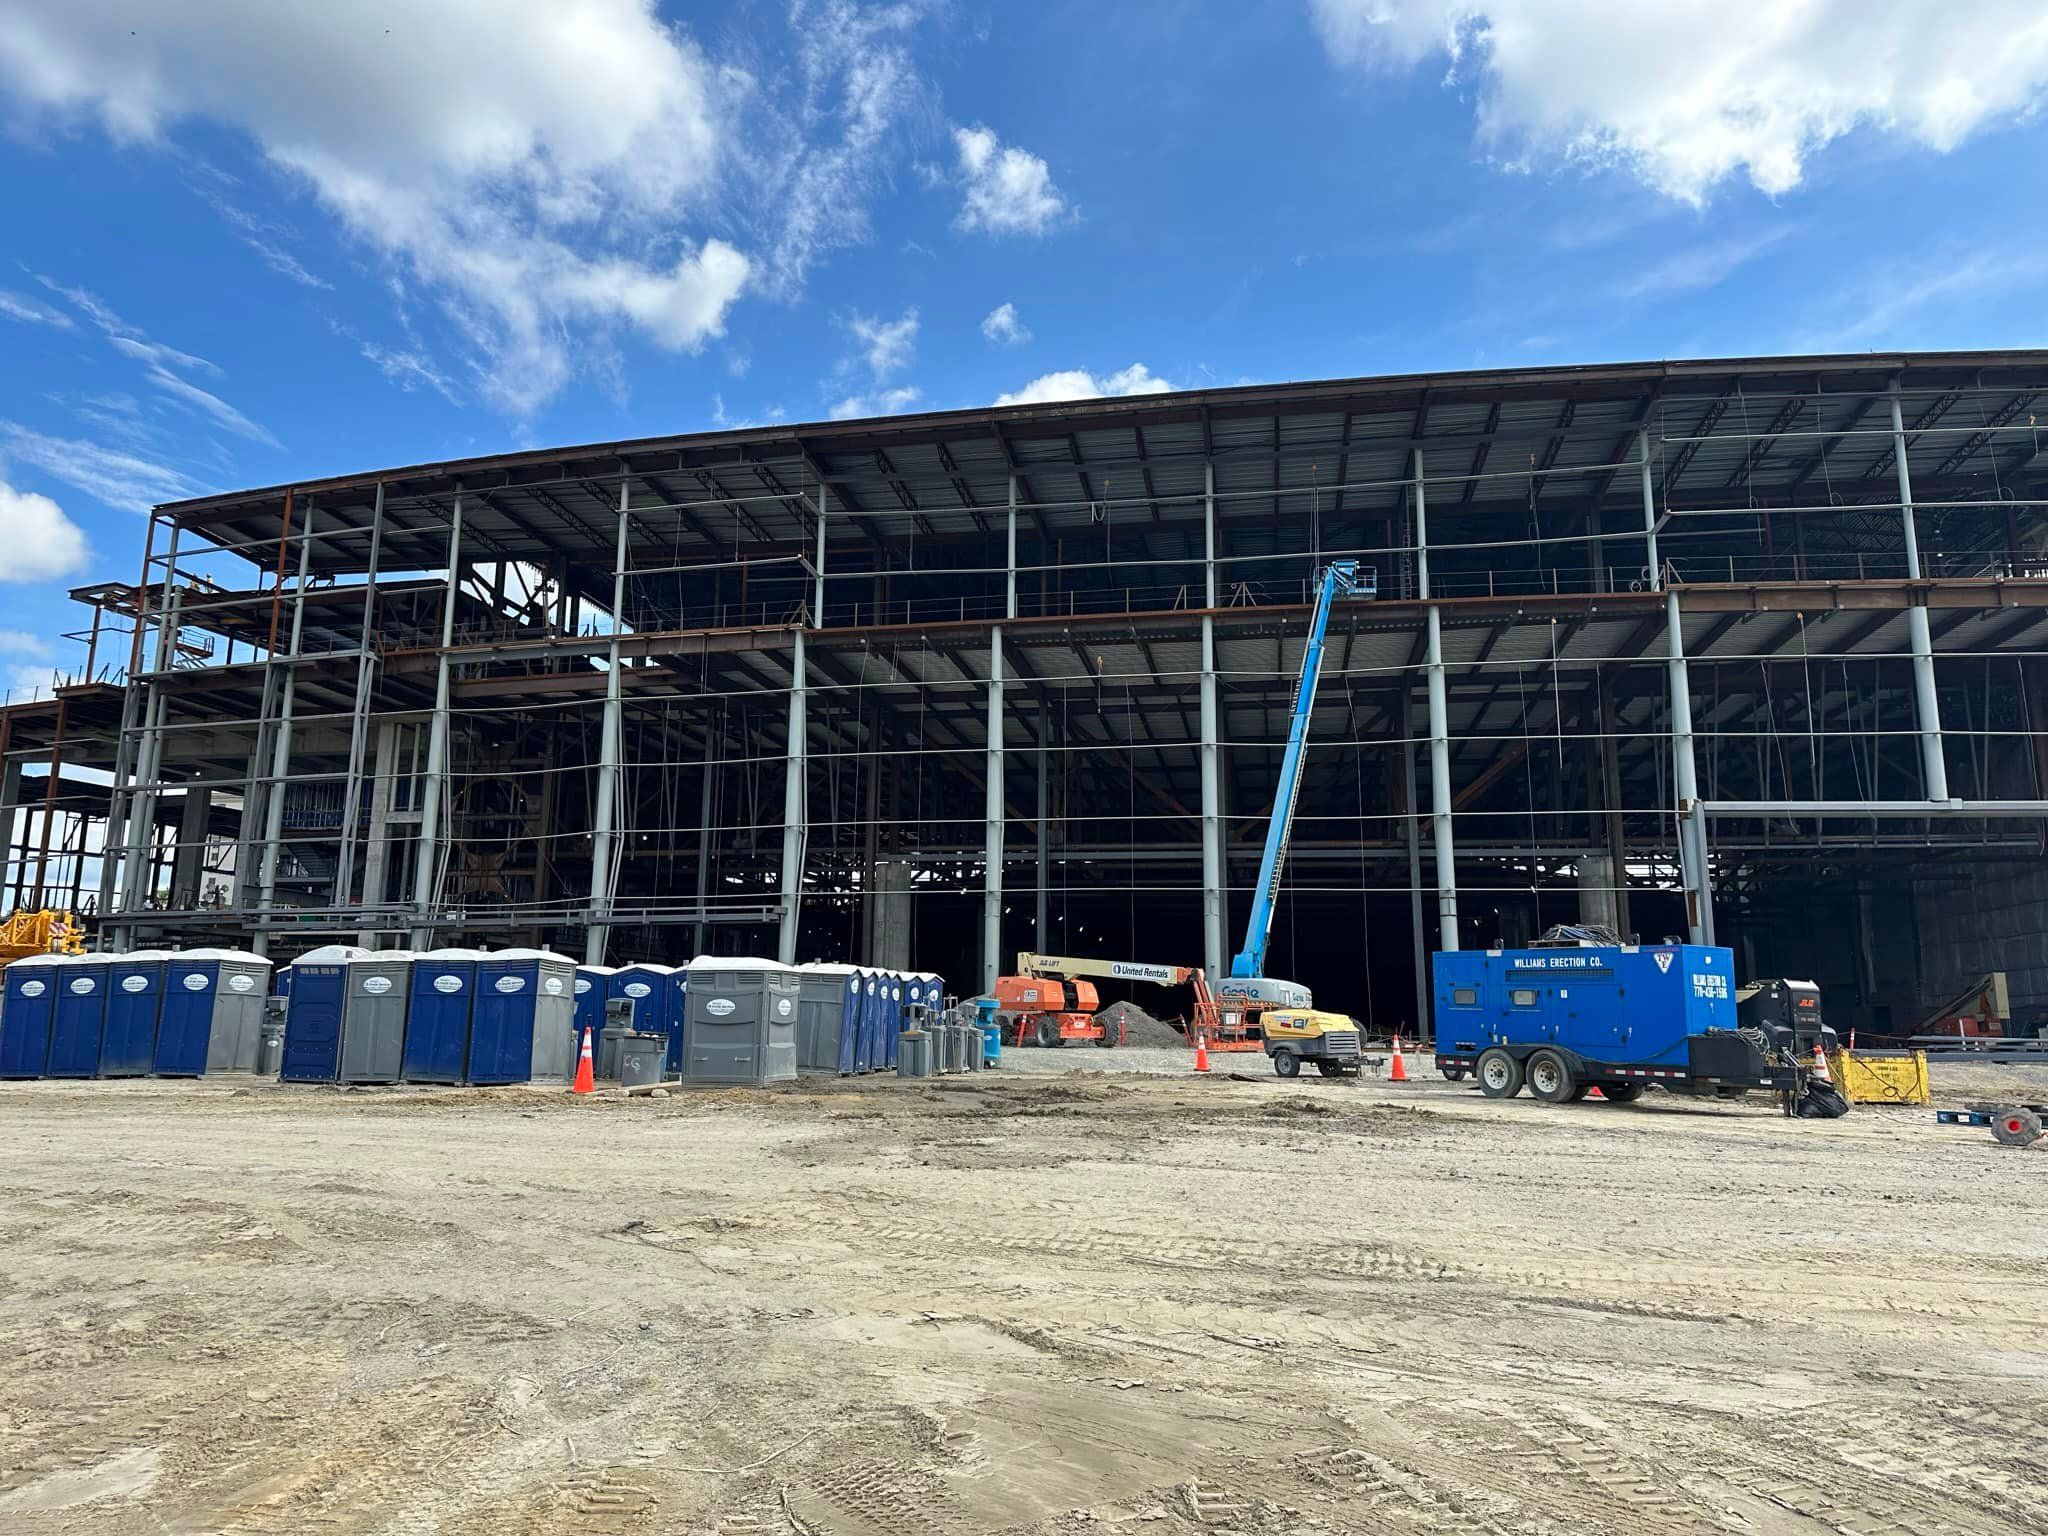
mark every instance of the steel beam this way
{"type": "Point", "coordinates": [281, 741]}
{"type": "Point", "coordinates": [359, 729]}
{"type": "Point", "coordinates": [1215, 872]}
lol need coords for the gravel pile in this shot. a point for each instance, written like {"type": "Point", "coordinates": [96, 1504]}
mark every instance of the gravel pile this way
{"type": "Point", "coordinates": [1141, 1030]}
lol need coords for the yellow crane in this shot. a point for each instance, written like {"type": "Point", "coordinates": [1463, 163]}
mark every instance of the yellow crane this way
{"type": "Point", "coordinates": [46, 932]}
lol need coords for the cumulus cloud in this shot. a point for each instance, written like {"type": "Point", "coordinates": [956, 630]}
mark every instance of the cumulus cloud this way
{"type": "Point", "coordinates": [1080, 384]}
{"type": "Point", "coordinates": [1682, 97]}
{"type": "Point", "coordinates": [1006, 190]}
{"type": "Point", "coordinates": [886, 344]}
{"type": "Point", "coordinates": [533, 162]}
{"type": "Point", "coordinates": [1002, 325]}
{"type": "Point", "coordinates": [885, 402]}
{"type": "Point", "coordinates": [40, 544]}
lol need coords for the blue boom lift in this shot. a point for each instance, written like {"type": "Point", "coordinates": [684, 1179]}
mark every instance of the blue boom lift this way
{"type": "Point", "coordinates": [1257, 998]}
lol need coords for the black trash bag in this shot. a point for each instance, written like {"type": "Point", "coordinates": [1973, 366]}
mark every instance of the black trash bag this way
{"type": "Point", "coordinates": [1821, 1101]}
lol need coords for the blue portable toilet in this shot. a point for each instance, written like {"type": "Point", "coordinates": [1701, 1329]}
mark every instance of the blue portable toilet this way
{"type": "Point", "coordinates": [900, 987]}
{"type": "Point", "coordinates": [442, 993]}
{"type": "Point", "coordinates": [80, 1019]}
{"type": "Point", "coordinates": [212, 1013]}
{"type": "Point", "coordinates": [312, 1034]}
{"type": "Point", "coordinates": [849, 1023]}
{"type": "Point", "coordinates": [519, 1022]}
{"type": "Point", "coordinates": [647, 984]}
{"type": "Point", "coordinates": [28, 1003]}
{"type": "Point", "coordinates": [868, 1021]}
{"type": "Point", "coordinates": [678, 1019]}
{"type": "Point", "coordinates": [135, 996]}
{"type": "Point", "coordinates": [591, 991]}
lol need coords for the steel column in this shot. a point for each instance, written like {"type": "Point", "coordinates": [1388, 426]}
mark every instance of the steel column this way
{"type": "Point", "coordinates": [427, 855]}
{"type": "Point", "coordinates": [1010, 599]}
{"type": "Point", "coordinates": [281, 743]}
{"type": "Point", "coordinates": [1691, 826]}
{"type": "Point", "coordinates": [602, 820]}
{"type": "Point", "coordinates": [818, 576]}
{"type": "Point", "coordinates": [1933, 764]}
{"type": "Point", "coordinates": [1041, 927]}
{"type": "Point", "coordinates": [377, 851]}
{"type": "Point", "coordinates": [795, 809]}
{"type": "Point", "coordinates": [1413, 823]}
{"type": "Point", "coordinates": [359, 720]}
{"type": "Point", "coordinates": [1215, 867]}
{"type": "Point", "coordinates": [992, 853]}
{"type": "Point", "coordinates": [1439, 730]}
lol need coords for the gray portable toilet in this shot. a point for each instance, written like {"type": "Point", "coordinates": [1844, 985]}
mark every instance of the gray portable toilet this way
{"type": "Point", "coordinates": [821, 1012]}
{"type": "Point", "coordinates": [743, 1017]}
{"type": "Point", "coordinates": [377, 990]}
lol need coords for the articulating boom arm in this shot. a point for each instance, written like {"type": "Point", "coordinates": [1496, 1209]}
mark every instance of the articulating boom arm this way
{"type": "Point", "coordinates": [1340, 578]}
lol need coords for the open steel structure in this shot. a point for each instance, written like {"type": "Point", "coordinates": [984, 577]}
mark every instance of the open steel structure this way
{"type": "Point", "coordinates": [1747, 649]}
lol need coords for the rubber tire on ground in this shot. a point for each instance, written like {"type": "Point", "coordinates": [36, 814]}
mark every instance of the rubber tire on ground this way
{"type": "Point", "coordinates": [1330, 1068]}
{"type": "Point", "coordinates": [2016, 1127]}
{"type": "Point", "coordinates": [1108, 1040]}
{"type": "Point", "coordinates": [1621, 1093]}
{"type": "Point", "coordinates": [1045, 1034]}
{"type": "Point", "coordinates": [1499, 1074]}
{"type": "Point", "coordinates": [1550, 1077]}
{"type": "Point", "coordinates": [1287, 1064]}
{"type": "Point", "coordinates": [1454, 1074]}
{"type": "Point", "coordinates": [1579, 1091]}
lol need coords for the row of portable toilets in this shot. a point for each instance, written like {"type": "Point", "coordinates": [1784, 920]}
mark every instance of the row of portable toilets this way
{"type": "Point", "coordinates": [445, 1016]}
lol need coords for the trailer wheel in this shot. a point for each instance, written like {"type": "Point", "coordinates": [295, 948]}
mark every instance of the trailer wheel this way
{"type": "Point", "coordinates": [2016, 1127]}
{"type": "Point", "coordinates": [1579, 1091]}
{"type": "Point", "coordinates": [1454, 1074]}
{"type": "Point", "coordinates": [1500, 1075]}
{"type": "Point", "coordinates": [1287, 1064]}
{"type": "Point", "coordinates": [1621, 1093]}
{"type": "Point", "coordinates": [1550, 1077]}
{"type": "Point", "coordinates": [1331, 1068]}
{"type": "Point", "coordinates": [1045, 1035]}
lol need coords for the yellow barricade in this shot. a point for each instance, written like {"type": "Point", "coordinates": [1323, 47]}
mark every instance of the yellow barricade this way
{"type": "Point", "coordinates": [1890, 1079]}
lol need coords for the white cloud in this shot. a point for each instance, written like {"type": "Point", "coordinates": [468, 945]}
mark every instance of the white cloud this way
{"type": "Point", "coordinates": [1701, 266]}
{"type": "Point", "coordinates": [40, 544]}
{"type": "Point", "coordinates": [120, 480]}
{"type": "Point", "coordinates": [1080, 384]}
{"type": "Point", "coordinates": [1002, 325]}
{"type": "Point", "coordinates": [888, 344]}
{"type": "Point", "coordinates": [533, 162]}
{"type": "Point", "coordinates": [885, 402]}
{"type": "Point", "coordinates": [1684, 97]}
{"type": "Point", "coordinates": [1008, 191]}
{"type": "Point", "coordinates": [19, 306]}
{"type": "Point", "coordinates": [409, 369]}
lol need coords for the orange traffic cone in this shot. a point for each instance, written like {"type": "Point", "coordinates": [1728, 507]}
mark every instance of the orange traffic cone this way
{"type": "Point", "coordinates": [1820, 1066]}
{"type": "Point", "coordinates": [1201, 1053]}
{"type": "Point", "coordinates": [1399, 1074]}
{"type": "Point", "coordinates": [586, 1077]}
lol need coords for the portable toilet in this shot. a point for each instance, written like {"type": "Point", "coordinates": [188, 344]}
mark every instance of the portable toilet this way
{"type": "Point", "coordinates": [135, 996]}
{"type": "Point", "coordinates": [591, 986]}
{"type": "Point", "coordinates": [312, 1034]}
{"type": "Point", "coordinates": [441, 993]}
{"type": "Point", "coordinates": [647, 985]}
{"type": "Point", "coordinates": [519, 1021]}
{"type": "Point", "coordinates": [378, 986]}
{"type": "Point", "coordinates": [212, 1015]}
{"type": "Point", "coordinates": [28, 1003]}
{"type": "Point", "coordinates": [678, 1020]}
{"type": "Point", "coordinates": [79, 1021]}
{"type": "Point", "coordinates": [854, 1001]}
{"type": "Point", "coordinates": [866, 1012]}
{"type": "Point", "coordinates": [742, 1024]}
{"type": "Point", "coordinates": [820, 1014]}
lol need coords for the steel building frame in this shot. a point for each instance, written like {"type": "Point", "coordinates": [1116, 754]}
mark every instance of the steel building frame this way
{"type": "Point", "coordinates": [556, 695]}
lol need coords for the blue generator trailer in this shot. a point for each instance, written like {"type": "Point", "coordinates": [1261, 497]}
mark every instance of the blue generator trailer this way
{"type": "Point", "coordinates": [1564, 1020]}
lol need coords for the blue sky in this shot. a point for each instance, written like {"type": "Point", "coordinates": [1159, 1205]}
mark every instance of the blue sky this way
{"type": "Point", "coordinates": [272, 242]}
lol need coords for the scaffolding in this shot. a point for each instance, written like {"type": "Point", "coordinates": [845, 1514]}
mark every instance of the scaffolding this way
{"type": "Point", "coordinates": [1683, 647]}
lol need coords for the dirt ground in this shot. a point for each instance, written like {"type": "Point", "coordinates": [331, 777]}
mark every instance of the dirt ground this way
{"type": "Point", "coordinates": [1061, 1299]}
